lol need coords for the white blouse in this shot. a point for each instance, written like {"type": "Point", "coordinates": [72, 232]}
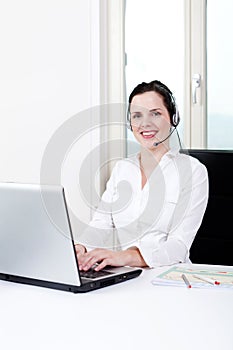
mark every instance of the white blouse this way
{"type": "Point", "coordinates": [161, 219]}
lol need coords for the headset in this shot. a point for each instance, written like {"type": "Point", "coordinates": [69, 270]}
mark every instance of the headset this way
{"type": "Point", "coordinates": [176, 116]}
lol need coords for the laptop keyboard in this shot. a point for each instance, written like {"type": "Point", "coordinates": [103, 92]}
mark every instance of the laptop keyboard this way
{"type": "Point", "coordinates": [91, 273]}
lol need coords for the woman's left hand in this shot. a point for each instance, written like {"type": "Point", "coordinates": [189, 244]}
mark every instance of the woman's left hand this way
{"type": "Point", "coordinates": [104, 257]}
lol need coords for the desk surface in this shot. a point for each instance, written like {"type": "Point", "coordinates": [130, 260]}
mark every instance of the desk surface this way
{"type": "Point", "coordinates": [132, 315]}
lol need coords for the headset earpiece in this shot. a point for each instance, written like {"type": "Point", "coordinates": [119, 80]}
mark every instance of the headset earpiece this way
{"type": "Point", "coordinates": [175, 118]}
{"type": "Point", "coordinates": [128, 125]}
{"type": "Point", "coordinates": [128, 120]}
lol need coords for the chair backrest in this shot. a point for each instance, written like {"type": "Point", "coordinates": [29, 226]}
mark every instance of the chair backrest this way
{"type": "Point", "coordinates": [213, 243]}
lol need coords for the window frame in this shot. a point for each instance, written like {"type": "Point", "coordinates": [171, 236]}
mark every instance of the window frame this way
{"type": "Point", "coordinates": [195, 54]}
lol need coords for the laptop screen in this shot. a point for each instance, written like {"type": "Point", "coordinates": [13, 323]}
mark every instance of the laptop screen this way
{"type": "Point", "coordinates": [35, 236]}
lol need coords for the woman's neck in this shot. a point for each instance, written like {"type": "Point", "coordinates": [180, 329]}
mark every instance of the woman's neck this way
{"type": "Point", "coordinates": [149, 159]}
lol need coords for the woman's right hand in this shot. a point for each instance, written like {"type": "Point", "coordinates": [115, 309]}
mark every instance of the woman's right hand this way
{"type": "Point", "coordinates": [80, 250]}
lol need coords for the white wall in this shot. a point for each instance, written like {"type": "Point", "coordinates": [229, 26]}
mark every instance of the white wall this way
{"type": "Point", "coordinates": [55, 62]}
{"type": "Point", "coordinates": [45, 77]}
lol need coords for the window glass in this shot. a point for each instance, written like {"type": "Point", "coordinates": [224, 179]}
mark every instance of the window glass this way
{"type": "Point", "coordinates": [154, 41]}
{"type": "Point", "coordinates": [219, 74]}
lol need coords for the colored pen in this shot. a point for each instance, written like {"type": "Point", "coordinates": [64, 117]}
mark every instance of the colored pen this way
{"type": "Point", "coordinates": [186, 281]}
{"type": "Point", "coordinates": [206, 279]}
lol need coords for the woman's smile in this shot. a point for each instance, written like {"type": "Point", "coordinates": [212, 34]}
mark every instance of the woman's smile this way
{"type": "Point", "coordinates": [148, 134]}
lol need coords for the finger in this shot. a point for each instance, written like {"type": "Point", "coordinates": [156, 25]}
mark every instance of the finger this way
{"type": "Point", "coordinates": [81, 257]}
{"type": "Point", "coordinates": [103, 264]}
{"type": "Point", "coordinates": [80, 249]}
{"type": "Point", "coordinates": [88, 264]}
{"type": "Point", "coordinates": [77, 248]}
{"type": "Point", "coordinates": [94, 254]}
{"type": "Point", "coordinates": [93, 257]}
{"type": "Point", "coordinates": [80, 254]}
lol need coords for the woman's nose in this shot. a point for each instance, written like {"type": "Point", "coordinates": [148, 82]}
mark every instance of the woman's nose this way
{"type": "Point", "coordinates": [146, 120]}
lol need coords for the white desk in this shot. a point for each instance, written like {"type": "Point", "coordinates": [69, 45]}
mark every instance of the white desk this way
{"type": "Point", "coordinates": [132, 315]}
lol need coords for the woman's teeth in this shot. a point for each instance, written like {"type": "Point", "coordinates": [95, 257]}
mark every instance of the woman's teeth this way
{"type": "Point", "coordinates": [148, 134]}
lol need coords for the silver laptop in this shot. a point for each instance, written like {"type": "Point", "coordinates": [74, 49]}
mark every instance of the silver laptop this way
{"type": "Point", "coordinates": [36, 242]}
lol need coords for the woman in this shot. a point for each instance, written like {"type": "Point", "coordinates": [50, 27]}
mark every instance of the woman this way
{"type": "Point", "coordinates": [162, 209]}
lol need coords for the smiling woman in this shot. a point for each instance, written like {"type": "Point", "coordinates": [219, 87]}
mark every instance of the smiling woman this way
{"type": "Point", "coordinates": [153, 112]}
{"type": "Point", "coordinates": [152, 123]}
{"type": "Point", "coordinates": [154, 201]}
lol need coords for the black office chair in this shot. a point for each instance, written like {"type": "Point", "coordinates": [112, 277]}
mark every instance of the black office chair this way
{"type": "Point", "coordinates": [213, 243]}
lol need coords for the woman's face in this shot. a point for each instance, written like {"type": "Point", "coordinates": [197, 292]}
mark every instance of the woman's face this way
{"type": "Point", "coordinates": [150, 119]}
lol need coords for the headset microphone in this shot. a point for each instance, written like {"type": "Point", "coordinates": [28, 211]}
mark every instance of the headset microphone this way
{"type": "Point", "coordinates": [158, 143]}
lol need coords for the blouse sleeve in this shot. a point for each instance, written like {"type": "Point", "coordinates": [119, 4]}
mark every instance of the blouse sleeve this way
{"type": "Point", "coordinates": [99, 232]}
{"type": "Point", "coordinates": [184, 225]}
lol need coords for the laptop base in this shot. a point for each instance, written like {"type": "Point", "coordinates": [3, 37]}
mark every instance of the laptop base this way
{"type": "Point", "coordinates": [87, 285]}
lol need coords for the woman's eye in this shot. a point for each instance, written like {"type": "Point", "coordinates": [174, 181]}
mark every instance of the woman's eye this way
{"type": "Point", "coordinates": [156, 114]}
{"type": "Point", "coordinates": [135, 116]}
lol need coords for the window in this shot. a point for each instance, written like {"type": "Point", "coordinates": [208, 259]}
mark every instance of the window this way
{"type": "Point", "coordinates": [188, 47]}
{"type": "Point", "coordinates": [154, 45]}
{"type": "Point", "coordinates": [219, 74]}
